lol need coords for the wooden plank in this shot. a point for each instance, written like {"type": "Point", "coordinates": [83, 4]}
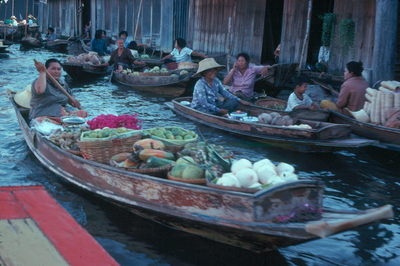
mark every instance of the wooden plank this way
{"type": "Point", "coordinates": [22, 243]}
{"type": "Point", "coordinates": [71, 240]}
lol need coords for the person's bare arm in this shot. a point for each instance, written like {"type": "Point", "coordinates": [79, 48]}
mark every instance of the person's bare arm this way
{"type": "Point", "coordinates": [228, 79]}
{"type": "Point", "coordinates": [198, 54]}
{"type": "Point", "coordinates": [41, 82]}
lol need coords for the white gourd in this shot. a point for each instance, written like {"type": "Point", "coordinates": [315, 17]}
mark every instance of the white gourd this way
{"type": "Point", "coordinates": [229, 180]}
{"type": "Point", "coordinates": [288, 176]}
{"type": "Point", "coordinates": [247, 177]}
{"type": "Point", "coordinates": [264, 173]}
{"type": "Point", "coordinates": [239, 165]}
{"type": "Point", "coordinates": [261, 163]}
{"type": "Point", "coordinates": [284, 167]}
{"type": "Point", "coordinates": [256, 185]}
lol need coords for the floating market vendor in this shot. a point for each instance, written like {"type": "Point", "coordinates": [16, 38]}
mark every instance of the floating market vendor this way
{"type": "Point", "coordinates": [243, 75]}
{"type": "Point", "coordinates": [209, 94]}
{"type": "Point", "coordinates": [47, 100]}
{"type": "Point", "coordinates": [124, 36]}
{"type": "Point", "coordinates": [122, 57]}
{"type": "Point", "coordinates": [51, 36]}
{"type": "Point", "coordinates": [298, 99]}
{"type": "Point", "coordinates": [98, 44]}
{"type": "Point", "coordinates": [181, 53]}
{"type": "Point", "coordinates": [14, 21]}
{"type": "Point", "coordinates": [353, 89]}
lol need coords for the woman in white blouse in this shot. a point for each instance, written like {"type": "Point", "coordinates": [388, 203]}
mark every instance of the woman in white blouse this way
{"type": "Point", "coordinates": [181, 53]}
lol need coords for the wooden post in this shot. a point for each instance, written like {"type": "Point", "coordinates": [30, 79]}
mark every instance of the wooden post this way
{"type": "Point", "coordinates": [228, 54]}
{"type": "Point", "coordinates": [26, 17]}
{"type": "Point", "coordinates": [137, 19]}
{"type": "Point", "coordinates": [303, 55]}
{"type": "Point", "coordinates": [384, 54]}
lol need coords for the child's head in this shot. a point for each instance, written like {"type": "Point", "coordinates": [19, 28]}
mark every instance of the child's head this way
{"type": "Point", "coordinates": [300, 85]}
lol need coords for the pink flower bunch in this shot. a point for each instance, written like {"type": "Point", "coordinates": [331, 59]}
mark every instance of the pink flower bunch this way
{"type": "Point", "coordinates": [115, 121]}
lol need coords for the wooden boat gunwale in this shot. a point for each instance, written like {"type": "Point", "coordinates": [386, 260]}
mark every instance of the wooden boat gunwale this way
{"type": "Point", "coordinates": [184, 80]}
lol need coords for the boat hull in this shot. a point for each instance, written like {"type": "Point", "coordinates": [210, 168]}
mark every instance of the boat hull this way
{"type": "Point", "coordinates": [175, 89]}
{"type": "Point", "coordinates": [79, 73]}
{"type": "Point", "coordinates": [284, 138]}
{"type": "Point", "coordinates": [250, 221]}
{"type": "Point", "coordinates": [388, 137]}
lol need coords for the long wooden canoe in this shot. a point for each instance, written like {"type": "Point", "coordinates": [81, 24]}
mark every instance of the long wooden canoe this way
{"type": "Point", "coordinates": [82, 72]}
{"type": "Point", "coordinates": [36, 230]}
{"type": "Point", "coordinates": [389, 138]}
{"type": "Point", "coordinates": [322, 138]}
{"type": "Point", "coordinates": [279, 216]}
{"type": "Point", "coordinates": [58, 45]}
{"type": "Point", "coordinates": [154, 85]}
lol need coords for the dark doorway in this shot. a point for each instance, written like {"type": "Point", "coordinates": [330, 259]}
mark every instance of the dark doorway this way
{"type": "Point", "coordinates": [272, 29]}
{"type": "Point", "coordinates": [318, 10]}
{"type": "Point", "coordinates": [85, 13]}
{"type": "Point", "coordinates": [180, 18]}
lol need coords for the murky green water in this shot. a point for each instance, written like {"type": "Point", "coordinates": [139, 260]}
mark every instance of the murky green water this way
{"type": "Point", "coordinates": [360, 179]}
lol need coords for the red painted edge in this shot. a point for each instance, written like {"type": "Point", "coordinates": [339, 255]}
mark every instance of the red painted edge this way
{"type": "Point", "coordinates": [12, 188]}
{"type": "Point", "coordinates": [10, 208]}
{"type": "Point", "coordinates": [73, 242]}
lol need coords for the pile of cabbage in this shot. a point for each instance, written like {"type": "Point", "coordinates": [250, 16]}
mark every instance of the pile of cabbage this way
{"type": "Point", "coordinates": [89, 58]}
{"type": "Point", "coordinates": [263, 173]}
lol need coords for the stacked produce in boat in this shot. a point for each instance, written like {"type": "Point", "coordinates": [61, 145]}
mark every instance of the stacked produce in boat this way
{"type": "Point", "coordinates": [87, 58]}
{"type": "Point", "coordinates": [277, 119]}
{"type": "Point", "coordinates": [381, 105]}
{"type": "Point", "coordinates": [68, 138]}
{"type": "Point", "coordinates": [261, 174]}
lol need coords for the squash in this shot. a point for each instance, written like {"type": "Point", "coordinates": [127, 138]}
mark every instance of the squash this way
{"type": "Point", "coordinates": [154, 162]}
{"type": "Point", "coordinates": [147, 153]}
{"type": "Point", "coordinates": [149, 144]}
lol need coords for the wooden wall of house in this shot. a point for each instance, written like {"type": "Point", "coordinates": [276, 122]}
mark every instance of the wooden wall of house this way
{"type": "Point", "coordinates": [59, 14]}
{"type": "Point", "coordinates": [363, 14]}
{"type": "Point", "coordinates": [155, 24]}
{"type": "Point", "coordinates": [293, 30]}
{"type": "Point", "coordinates": [208, 22]}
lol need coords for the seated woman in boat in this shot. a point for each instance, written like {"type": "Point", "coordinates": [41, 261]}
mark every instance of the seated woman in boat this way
{"type": "Point", "coordinates": [209, 94]}
{"type": "Point", "coordinates": [50, 35]}
{"type": "Point", "coordinates": [181, 53]}
{"type": "Point", "coordinates": [47, 100]}
{"type": "Point", "coordinates": [98, 44]}
{"type": "Point", "coordinates": [243, 75]}
{"type": "Point", "coordinates": [298, 99]}
{"type": "Point", "coordinates": [353, 89]}
{"type": "Point", "coordinates": [122, 57]}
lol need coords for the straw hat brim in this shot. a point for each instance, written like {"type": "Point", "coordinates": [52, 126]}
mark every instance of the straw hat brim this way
{"type": "Point", "coordinates": [23, 98]}
{"type": "Point", "coordinates": [208, 64]}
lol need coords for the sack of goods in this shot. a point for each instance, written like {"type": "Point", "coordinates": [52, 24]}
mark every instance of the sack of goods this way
{"type": "Point", "coordinates": [91, 58]}
{"type": "Point", "coordinates": [381, 105]}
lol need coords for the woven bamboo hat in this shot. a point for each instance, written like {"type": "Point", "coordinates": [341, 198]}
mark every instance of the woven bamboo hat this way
{"type": "Point", "coordinates": [13, 17]}
{"type": "Point", "coordinates": [23, 98]}
{"type": "Point", "coordinates": [207, 64]}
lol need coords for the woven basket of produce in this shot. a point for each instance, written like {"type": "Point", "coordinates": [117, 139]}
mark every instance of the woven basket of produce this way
{"type": "Point", "coordinates": [151, 74]}
{"type": "Point", "coordinates": [272, 103]}
{"type": "Point", "coordinates": [103, 146]}
{"type": "Point", "coordinates": [122, 161]}
{"type": "Point", "coordinates": [172, 136]}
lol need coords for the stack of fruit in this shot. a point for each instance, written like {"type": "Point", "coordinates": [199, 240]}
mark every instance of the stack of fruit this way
{"type": "Point", "coordinates": [172, 135]}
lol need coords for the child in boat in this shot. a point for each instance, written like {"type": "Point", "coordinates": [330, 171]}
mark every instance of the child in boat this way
{"type": "Point", "coordinates": [298, 99]}
{"type": "Point", "coordinates": [181, 53]}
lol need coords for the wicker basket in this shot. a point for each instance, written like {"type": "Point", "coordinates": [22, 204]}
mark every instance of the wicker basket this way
{"type": "Point", "coordinates": [151, 74]}
{"type": "Point", "coordinates": [159, 171]}
{"type": "Point", "coordinates": [102, 150]}
{"type": "Point", "coordinates": [198, 181]}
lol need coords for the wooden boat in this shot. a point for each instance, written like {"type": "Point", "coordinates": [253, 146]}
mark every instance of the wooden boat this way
{"type": "Point", "coordinates": [84, 71]}
{"type": "Point", "coordinates": [278, 105]}
{"type": "Point", "coordinates": [323, 137]}
{"type": "Point", "coordinates": [158, 85]}
{"type": "Point", "coordinates": [58, 45]}
{"type": "Point", "coordinates": [283, 215]}
{"type": "Point", "coordinates": [29, 43]}
{"type": "Point", "coordinates": [36, 230]}
{"type": "Point", "coordinates": [389, 138]}
{"type": "Point", "coordinates": [3, 49]}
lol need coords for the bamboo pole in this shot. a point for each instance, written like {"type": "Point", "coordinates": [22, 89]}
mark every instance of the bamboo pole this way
{"type": "Point", "coordinates": [228, 54]}
{"type": "Point", "coordinates": [26, 17]}
{"type": "Point", "coordinates": [137, 19]}
{"type": "Point", "coordinates": [303, 55]}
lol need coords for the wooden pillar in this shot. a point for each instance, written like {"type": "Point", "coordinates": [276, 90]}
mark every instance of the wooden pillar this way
{"type": "Point", "coordinates": [384, 54]}
{"type": "Point", "coordinates": [93, 17]}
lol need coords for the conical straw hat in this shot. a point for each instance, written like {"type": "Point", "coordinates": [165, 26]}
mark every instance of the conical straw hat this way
{"type": "Point", "coordinates": [206, 64]}
{"type": "Point", "coordinates": [23, 98]}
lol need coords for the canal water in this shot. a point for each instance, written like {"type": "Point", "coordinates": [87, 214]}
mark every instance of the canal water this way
{"type": "Point", "coordinates": [355, 179]}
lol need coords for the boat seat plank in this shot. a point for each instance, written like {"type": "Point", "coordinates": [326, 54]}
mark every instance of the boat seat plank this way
{"type": "Point", "coordinates": [23, 243]}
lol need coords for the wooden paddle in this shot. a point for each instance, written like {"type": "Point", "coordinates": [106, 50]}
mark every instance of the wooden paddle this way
{"type": "Point", "coordinates": [326, 87]}
{"type": "Point", "coordinates": [58, 85]}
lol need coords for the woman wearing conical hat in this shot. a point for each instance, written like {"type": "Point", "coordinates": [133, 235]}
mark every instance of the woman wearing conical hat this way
{"type": "Point", "coordinates": [209, 94]}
